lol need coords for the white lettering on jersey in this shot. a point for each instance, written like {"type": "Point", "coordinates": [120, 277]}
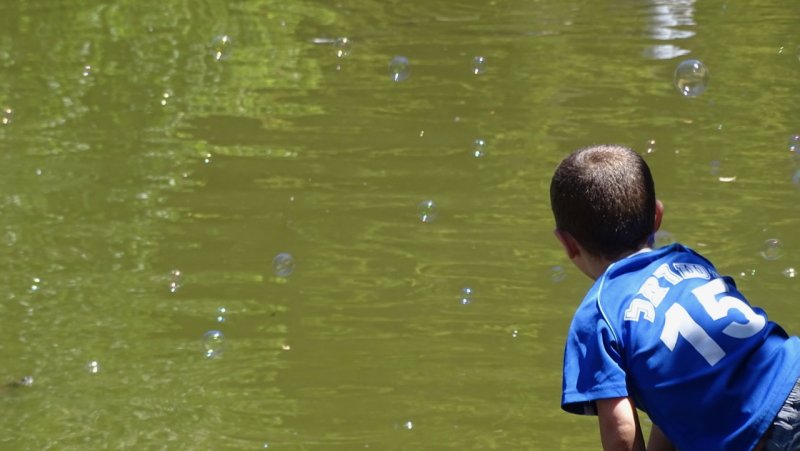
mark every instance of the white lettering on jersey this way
{"type": "Point", "coordinates": [677, 320]}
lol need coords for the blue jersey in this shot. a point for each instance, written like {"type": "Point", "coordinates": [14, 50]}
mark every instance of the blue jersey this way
{"type": "Point", "coordinates": [664, 328]}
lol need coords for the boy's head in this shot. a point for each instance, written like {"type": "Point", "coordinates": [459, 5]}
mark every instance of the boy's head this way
{"type": "Point", "coordinates": [604, 197]}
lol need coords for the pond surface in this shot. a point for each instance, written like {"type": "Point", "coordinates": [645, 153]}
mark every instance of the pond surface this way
{"type": "Point", "coordinates": [312, 225]}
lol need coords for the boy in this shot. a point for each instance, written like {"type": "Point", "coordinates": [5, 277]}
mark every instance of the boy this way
{"type": "Point", "coordinates": [661, 330]}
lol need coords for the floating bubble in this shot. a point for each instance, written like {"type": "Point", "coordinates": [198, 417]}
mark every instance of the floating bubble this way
{"type": "Point", "coordinates": [165, 96]}
{"type": "Point", "coordinates": [714, 167]}
{"type": "Point", "coordinates": [5, 117]}
{"type": "Point", "coordinates": [514, 333]}
{"type": "Point", "coordinates": [651, 146]}
{"type": "Point", "coordinates": [557, 274]}
{"type": "Point", "coordinates": [213, 343]}
{"type": "Point", "coordinates": [221, 47]}
{"type": "Point", "coordinates": [427, 211]}
{"type": "Point", "coordinates": [207, 158]}
{"type": "Point", "coordinates": [93, 367]}
{"type": "Point", "coordinates": [342, 46]}
{"type": "Point", "coordinates": [87, 71]}
{"type": "Point", "coordinates": [408, 425]}
{"type": "Point", "coordinates": [691, 78]}
{"type": "Point", "coordinates": [466, 296]}
{"type": "Point", "coordinates": [399, 68]}
{"type": "Point", "coordinates": [662, 238]}
{"type": "Point", "coordinates": [37, 282]}
{"type": "Point", "coordinates": [796, 179]}
{"type": "Point", "coordinates": [175, 280]}
{"type": "Point", "coordinates": [478, 65]}
{"type": "Point", "coordinates": [789, 273]}
{"type": "Point", "coordinates": [221, 312]}
{"type": "Point", "coordinates": [479, 148]}
{"type": "Point", "coordinates": [283, 264]}
{"type": "Point", "coordinates": [748, 273]}
{"type": "Point", "coordinates": [771, 249]}
{"type": "Point", "coordinates": [794, 145]}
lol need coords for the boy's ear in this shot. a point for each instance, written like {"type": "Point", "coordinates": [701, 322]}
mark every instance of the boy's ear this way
{"type": "Point", "coordinates": [568, 242]}
{"type": "Point", "coordinates": [659, 215]}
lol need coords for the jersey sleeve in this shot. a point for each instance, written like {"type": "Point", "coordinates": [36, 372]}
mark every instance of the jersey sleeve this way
{"type": "Point", "coordinates": [592, 362]}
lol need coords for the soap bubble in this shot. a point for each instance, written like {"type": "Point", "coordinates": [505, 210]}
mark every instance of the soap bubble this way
{"type": "Point", "coordinates": [342, 46]}
{"type": "Point", "coordinates": [662, 238]}
{"type": "Point", "coordinates": [5, 117]}
{"type": "Point", "coordinates": [221, 47]}
{"type": "Point", "coordinates": [408, 425]}
{"type": "Point", "coordinates": [557, 273]}
{"type": "Point", "coordinates": [794, 145]}
{"type": "Point", "coordinates": [479, 148]}
{"type": "Point", "coordinates": [283, 264]}
{"type": "Point", "coordinates": [213, 343]}
{"type": "Point", "coordinates": [478, 65]}
{"type": "Point", "coordinates": [789, 273]}
{"type": "Point", "coordinates": [427, 211]}
{"type": "Point", "coordinates": [175, 280]}
{"type": "Point", "coordinates": [399, 68]}
{"type": "Point", "coordinates": [221, 312]}
{"type": "Point", "coordinates": [87, 71]}
{"type": "Point", "coordinates": [691, 78]}
{"type": "Point", "coordinates": [771, 249]}
{"type": "Point", "coordinates": [165, 96]}
{"type": "Point", "coordinates": [93, 367]}
{"type": "Point", "coordinates": [466, 296]}
{"type": "Point", "coordinates": [651, 146]}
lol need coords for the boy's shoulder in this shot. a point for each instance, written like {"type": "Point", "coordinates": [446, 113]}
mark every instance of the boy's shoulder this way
{"type": "Point", "coordinates": [645, 273]}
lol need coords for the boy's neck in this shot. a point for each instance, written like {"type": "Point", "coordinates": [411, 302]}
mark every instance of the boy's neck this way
{"type": "Point", "coordinates": [595, 266]}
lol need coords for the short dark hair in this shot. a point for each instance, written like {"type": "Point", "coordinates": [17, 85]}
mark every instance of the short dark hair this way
{"type": "Point", "coordinates": [604, 196]}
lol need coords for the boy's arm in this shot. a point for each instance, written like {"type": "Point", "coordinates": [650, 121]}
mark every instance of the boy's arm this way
{"type": "Point", "coordinates": [619, 425]}
{"type": "Point", "coordinates": [658, 441]}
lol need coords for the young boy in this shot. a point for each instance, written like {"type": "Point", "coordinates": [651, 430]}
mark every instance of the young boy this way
{"type": "Point", "coordinates": [661, 330]}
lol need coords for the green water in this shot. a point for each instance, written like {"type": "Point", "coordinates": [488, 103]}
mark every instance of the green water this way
{"type": "Point", "coordinates": [131, 148]}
